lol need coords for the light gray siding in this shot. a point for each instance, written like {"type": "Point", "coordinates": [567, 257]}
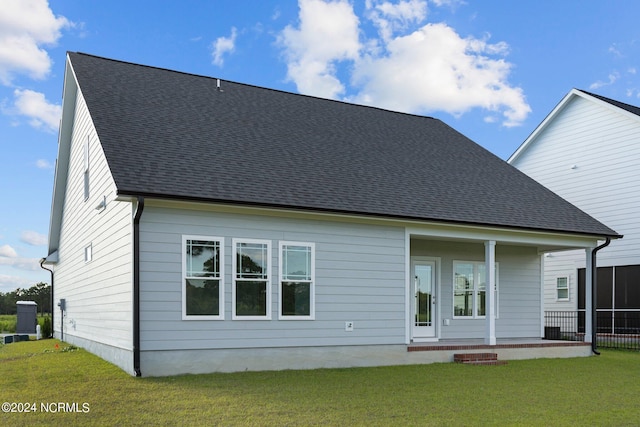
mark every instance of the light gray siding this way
{"type": "Point", "coordinates": [562, 264]}
{"type": "Point", "coordinates": [589, 154]}
{"type": "Point", "coordinates": [360, 278]}
{"type": "Point", "coordinates": [519, 306]}
{"type": "Point", "coordinates": [98, 293]}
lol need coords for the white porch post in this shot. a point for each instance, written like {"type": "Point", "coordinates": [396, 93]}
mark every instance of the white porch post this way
{"type": "Point", "coordinates": [588, 303]}
{"type": "Point", "coordinates": [489, 296]}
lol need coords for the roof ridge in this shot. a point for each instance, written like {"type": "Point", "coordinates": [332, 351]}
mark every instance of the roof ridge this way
{"type": "Point", "coordinates": [144, 65]}
{"type": "Point", "coordinates": [255, 86]}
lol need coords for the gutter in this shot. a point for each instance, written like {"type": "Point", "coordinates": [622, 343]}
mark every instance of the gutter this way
{"type": "Point", "coordinates": [594, 295]}
{"type": "Point", "coordinates": [136, 286]}
{"type": "Point", "coordinates": [51, 297]}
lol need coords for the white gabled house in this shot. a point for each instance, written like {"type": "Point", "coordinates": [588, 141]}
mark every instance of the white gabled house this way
{"type": "Point", "coordinates": [587, 150]}
{"type": "Point", "coordinates": [201, 225]}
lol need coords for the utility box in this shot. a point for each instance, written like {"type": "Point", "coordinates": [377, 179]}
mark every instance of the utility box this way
{"type": "Point", "coordinates": [27, 317]}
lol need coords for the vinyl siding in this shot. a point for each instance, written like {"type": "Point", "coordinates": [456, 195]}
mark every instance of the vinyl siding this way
{"type": "Point", "coordinates": [360, 277]}
{"type": "Point", "coordinates": [518, 288]}
{"type": "Point", "coordinates": [603, 143]}
{"type": "Point", "coordinates": [98, 293]}
{"type": "Point", "coordinates": [562, 264]}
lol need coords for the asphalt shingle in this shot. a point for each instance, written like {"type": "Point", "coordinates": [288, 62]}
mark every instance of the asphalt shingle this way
{"type": "Point", "coordinates": [175, 135]}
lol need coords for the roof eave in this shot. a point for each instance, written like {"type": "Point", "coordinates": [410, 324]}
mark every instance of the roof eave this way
{"type": "Point", "coordinates": [547, 120]}
{"type": "Point", "coordinates": [130, 195]}
{"type": "Point", "coordinates": [69, 92]}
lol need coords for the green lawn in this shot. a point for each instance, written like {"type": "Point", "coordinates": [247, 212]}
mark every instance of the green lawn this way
{"type": "Point", "coordinates": [599, 391]}
{"type": "Point", "coordinates": [8, 322]}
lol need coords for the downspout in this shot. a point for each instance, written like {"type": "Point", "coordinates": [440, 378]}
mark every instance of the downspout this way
{"type": "Point", "coordinates": [594, 295]}
{"type": "Point", "coordinates": [136, 286]}
{"type": "Point", "coordinates": [51, 297]}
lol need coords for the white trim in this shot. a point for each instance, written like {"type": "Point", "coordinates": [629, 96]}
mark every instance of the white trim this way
{"type": "Point", "coordinates": [235, 242]}
{"type": "Point", "coordinates": [568, 288]}
{"type": "Point", "coordinates": [559, 107]}
{"type": "Point", "coordinates": [491, 289]}
{"type": "Point", "coordinates": [475, 290]}
{"type": "Point", "coordinates": [312, 282]}
{"type": "Point", "coordinates": [407, 286]}
{"type": "Point", "coordinates": [544, 240]}
{"type": "Point", "coordinates": [573, 93]}
{"type": "Point", "coordinates": [408, 306]}
{"type": "Point", "coordinates": [221, 307]}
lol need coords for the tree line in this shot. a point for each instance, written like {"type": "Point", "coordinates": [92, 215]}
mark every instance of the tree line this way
{"type": "Point", "coordinates": [40, 293]}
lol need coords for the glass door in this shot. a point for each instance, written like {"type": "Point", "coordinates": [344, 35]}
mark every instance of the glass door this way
{"type": "Point", "coordinates": [424, 299]}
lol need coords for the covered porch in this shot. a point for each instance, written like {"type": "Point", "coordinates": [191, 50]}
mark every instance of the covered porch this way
{"type": "Point", "coordinates": [444, 351]}
{"type": "Point", "coordinates": [451, 269]}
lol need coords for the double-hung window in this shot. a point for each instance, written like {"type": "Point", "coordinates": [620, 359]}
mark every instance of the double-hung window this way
{"type": "Point", "coordinates": [469, 289]}
{"type": "Point", "coordinates": [251, 279]}
{"type": "Point", "coordinates": [203, 278]}
{"type": "Point", "coordinates": [297, 268]}
{"type": "Point", "coordinates": [562, 288]}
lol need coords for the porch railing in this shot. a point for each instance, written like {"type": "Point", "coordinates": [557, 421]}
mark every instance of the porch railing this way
{"type": "Point", "coordinates": [615, 328]}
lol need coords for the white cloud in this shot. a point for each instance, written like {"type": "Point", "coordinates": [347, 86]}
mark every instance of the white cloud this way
{"type": "Point", "coordinates": [615, 50]}
{"type": "Point", "coordinates": [42, 114]}
{"type": "Point", "coordinates": [451, 3]}
{"type": "Point", "coordinates": [43, 164]}
{"type": "Point", "coordinates": [33, 238]}
{"type": "Point", "coordinates": [328, 32]}
{"type": "Point", "coordinates": [11, 283]}
{"type": "Point", "coordinates": [25, 26]}
{"type": "Point", "coordinates": [391, 17]}
{"type": "Point", "coordinates": [7, 251]}
{"type": "Point", "coordinates": [613, 77]}
{"type": "Point", "coordinates": [411, 66]}
{"type": "Point", "coordinates": [224, 45]}
{"type": "Point", "coordinates": [434, 69]}
{"type": "Point", "coordinates": [27, 264]}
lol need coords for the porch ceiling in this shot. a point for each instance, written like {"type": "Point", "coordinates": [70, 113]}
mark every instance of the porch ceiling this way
{"type": "Point", "coordinates": [544, 242]}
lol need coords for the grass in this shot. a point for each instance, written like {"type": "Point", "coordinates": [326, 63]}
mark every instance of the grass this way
{"type": "Point", "coordinates": [599, 390]}
{"type": "Point", "coordinates": [8, 322]}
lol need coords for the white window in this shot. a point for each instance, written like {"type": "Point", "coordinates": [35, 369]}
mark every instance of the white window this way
{"type": "Point", "coordinates": [297, 271]}
{"type": "Point", "coordinates": [562, 288]}
{"type": "Point", "coordinates": [251, 279]}
{"type": "Point", "coordinates": [88, 253]}
{"type": "Point", "coordinates": [86, 169]}
{"type": "Point", "coordinates": [469, 290]}
{"type": "Point", "coordinates": [202, 278]}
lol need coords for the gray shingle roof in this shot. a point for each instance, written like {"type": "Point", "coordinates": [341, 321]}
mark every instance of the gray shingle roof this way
{"type": "Point", "coordinates": [172, 134]}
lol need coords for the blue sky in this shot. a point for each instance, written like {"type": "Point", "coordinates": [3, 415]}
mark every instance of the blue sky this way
{"type": "Point", "coordinates": [492, 69]}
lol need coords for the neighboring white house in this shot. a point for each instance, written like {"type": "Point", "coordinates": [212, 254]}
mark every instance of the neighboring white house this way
{"type": "Point", "coordinates": [587, 150]}
{"type": "Point", "coordinates": [202, 225]}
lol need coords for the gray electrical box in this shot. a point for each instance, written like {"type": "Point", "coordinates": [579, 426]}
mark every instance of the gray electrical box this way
{"type": "Point", "coordinates": [27, 317]}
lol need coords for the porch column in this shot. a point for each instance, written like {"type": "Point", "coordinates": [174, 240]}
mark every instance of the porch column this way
{"type": "Point", "coordinates": [489, 296]}
{"type": "Point", "coordinates": [588, 303]}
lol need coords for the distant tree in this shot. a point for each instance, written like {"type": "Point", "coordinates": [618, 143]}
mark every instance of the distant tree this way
{"type": "Point", "coordinates": [40, 293]}
{"type": "Point", "coordinates": [8, 302]}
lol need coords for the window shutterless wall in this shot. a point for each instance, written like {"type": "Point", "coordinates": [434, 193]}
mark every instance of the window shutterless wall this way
{"type": "Point", "coordinates": [357, 275]}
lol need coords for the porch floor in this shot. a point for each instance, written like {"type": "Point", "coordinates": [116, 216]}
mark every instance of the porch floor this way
{"type": "Point", "coordinates": [478, 344]}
